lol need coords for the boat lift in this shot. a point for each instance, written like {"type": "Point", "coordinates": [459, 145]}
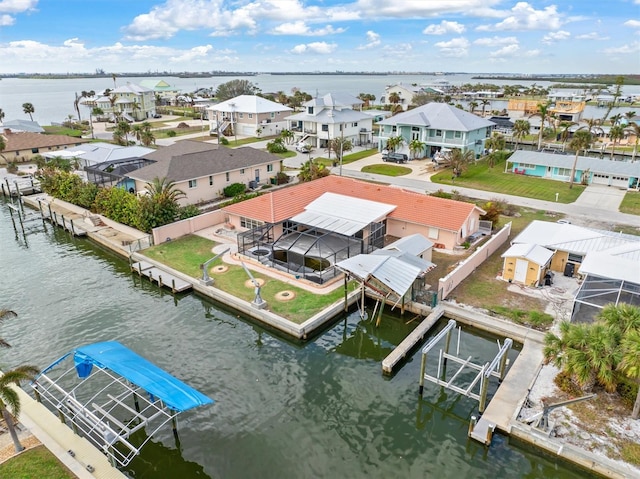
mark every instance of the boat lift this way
{"type": "Point", "coordinates": [109, 392]}
{"type": "Point", "coordinates": [496, 368]}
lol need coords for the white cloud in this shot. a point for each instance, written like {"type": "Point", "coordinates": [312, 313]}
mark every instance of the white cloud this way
{"type": "Point", "coordinates": [633, 47]}
{"type": "Point", "coordinates": [417, 8]}
{"type": "Point", "coordinates": [456, 47]}
{"type": "Point", "coordinates": [495, 41]}
{"type": "Point", "coordinates": [373, 40]}
{"type": "Point", "coordinates": [6, 20]}
{"type": "Point", "coordinates": [525, 17]}
{"type": "Point", "coordinates": [193, 54]}
{"type": "Point", "coordinates": [17, 6]}
{"type": "Point", "coordinates": [301, 28]}
{"type": "Point", "coordinates": [444, 27]}
{"type": "Point", "coordinates": [590, 36]}
{"type": "Point", "coordinates": [633, 23]}
{"type": "Point", "coordinates": [553, 37]}
{"type": "Point", "coordinates": [321, 48]}
{"type": "Point", "coordinates": [507, 51]}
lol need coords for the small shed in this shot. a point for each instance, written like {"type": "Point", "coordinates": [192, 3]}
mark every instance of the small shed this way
{"type": "Point", "coordinates": [526, 263]}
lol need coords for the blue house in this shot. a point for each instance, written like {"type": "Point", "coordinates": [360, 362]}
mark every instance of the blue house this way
{"type": "Point", "coordinates": [439, 126]}
{"type": "Point", "coordinates": [620, 174]}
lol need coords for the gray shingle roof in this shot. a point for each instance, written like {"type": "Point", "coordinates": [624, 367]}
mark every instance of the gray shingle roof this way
{"type": "Point", "coordinates": [198, 164]}
{"type": "Point", "coordinates": [440, 116]}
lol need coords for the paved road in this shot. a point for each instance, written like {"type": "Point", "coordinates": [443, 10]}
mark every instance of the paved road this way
{"type": "Point", "coordinates": [581, 213]}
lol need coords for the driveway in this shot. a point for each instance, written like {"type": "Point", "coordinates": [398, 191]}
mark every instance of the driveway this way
{"type": "Point", "coordinates": [602, 197]}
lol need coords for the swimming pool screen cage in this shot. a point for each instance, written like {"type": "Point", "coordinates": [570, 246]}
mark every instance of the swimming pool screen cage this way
{"type": "Point", "coordinates": [112, 173]}
{"type": "Point", "coordinates": [305, 251]}
{"type": "Point", "coordinates": [596, 292]}
{"type": "Point", "coordinates": [106, 393]}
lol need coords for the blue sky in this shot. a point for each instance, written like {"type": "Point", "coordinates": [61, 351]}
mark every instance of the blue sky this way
{"type": "Point", "coordinates": [582, 36]}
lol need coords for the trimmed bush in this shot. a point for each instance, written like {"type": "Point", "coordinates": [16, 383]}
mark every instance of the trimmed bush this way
{"type": "Point", "coordinates": [234, 189]}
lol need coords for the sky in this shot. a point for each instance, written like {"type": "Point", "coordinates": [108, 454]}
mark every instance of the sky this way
{"type": "Point", "coordinates": [486, 36]}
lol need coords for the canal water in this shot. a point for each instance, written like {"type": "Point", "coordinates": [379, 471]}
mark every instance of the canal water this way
{"type": "Point", "coordinates": [283, 409]}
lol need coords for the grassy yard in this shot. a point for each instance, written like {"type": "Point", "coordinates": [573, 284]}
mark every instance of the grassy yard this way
{"type": "Point", "coordinates": [388, 170]}
{"type": "Point", "coordinates": [346, 159]}
{"type": "Point", "coordinates": [188, 253]}
{"type": "Point", "coordinates": [479, 176]}
{"type": "Point", "coordinates": [631, 203]}
{"type": "Point", "coordinates": [35, 463]}
{"type": "Point", "coordinates": [62, 130]}
{"type": "Point", "coordinates": [164, 133]}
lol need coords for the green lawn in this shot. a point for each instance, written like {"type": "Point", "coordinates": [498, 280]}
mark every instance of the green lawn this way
{"type": "Point", "coordinates": [479, 176]}
{"type": "Point", "coordinates": [346, 159]}
{"type": "Point", "coordinates": [631, 203]}
{"type": "Point", "coordinates": [179, 132]}
{"type": "Point", "coordinates": [188, 253]}
{"type": "Point", "coordinates": [387, 170]}
{"type": "Point", "coordinates": [35, 463]}
{"type": "Point", "coordinates": [62, 130]}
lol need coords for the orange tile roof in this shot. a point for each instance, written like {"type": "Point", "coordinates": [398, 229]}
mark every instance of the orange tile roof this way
{"type": "Point", "coordinates": [412, 207]}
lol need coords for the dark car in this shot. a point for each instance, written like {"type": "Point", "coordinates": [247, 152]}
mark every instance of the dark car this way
{"type": "Point", "coordinates": [396, 157]}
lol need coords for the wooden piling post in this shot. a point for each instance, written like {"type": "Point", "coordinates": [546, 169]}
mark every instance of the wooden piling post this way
{"type": "Point", "coordinates": [484, 385]}
{"type": "Point", "coordinates": [73, 231]}
{"type": "Point", "coordinates": [160, 280]}
{"type": "Point", "coordinates": [173, 285]}
{"type": "Point", "coordinates": [382, 301]}
{"type": "Point", "coordinates": [503, 365]}
{"type": "Point", "coordinates": [446, 347]}
{"type": "Point", "coordinates": [346, 294]}
{"type": "Point", "coordinates": [55, 219]}
{"type": "Point", "coordinates": [50, 213]}
{"type": "Point", "coordinates": [362, 301]}
{"type": "Point", "coordinates": [423, 368]}
{"type": "Point", "coordinates": [472, 424]}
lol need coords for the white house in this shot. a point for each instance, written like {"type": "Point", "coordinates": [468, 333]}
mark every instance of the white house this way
{"type": "Point", "coordinates": [332, 116]}
{"type": "Point", "coordinates": [248, 115]}
{"type": "Point", "coordinates": [131, 102]}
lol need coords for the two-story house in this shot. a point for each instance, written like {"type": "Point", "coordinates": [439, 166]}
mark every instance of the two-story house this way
{"type": "Point", "coordinates": [131, 102]}
{"type": "Point", "coordinates": [248, 115]}
{"type": "Point", "coordinates": [332, 116]}
{"type": "Point", "coordinates": [438, 126]}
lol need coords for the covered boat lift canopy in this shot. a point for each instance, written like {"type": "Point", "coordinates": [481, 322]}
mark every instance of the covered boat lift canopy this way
{"type": "Point", "coordinates": [113, 394]}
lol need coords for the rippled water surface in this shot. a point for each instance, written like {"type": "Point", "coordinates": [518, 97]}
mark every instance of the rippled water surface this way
{"type": "Point", "coordinates": [320, 409]}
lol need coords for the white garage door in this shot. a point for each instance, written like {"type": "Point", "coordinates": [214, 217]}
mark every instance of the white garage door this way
{"type": "Point", "coordinates": [620, 181]}
{"type": "Point", "coordinates": [600, 179]}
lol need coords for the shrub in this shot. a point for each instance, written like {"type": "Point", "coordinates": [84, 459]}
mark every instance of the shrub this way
{"type": "Point", "coordinates": [276, 146]}
{"type": "Point", "coordinates": [239, 198]}
{"type": "Point", "coordinates": [234, 189]}
{"type": "Point", "coordinates": [282, 178]}
{"type": "Point", "coordinates": [118, 205]}
{"type": "Point", "coordinates": [171, 133]}
{"type": "Point", "coordinates": [224, 141]}
{"type": "Point", "coordinates": [188, 211]}
{"type": "Point", "coordinates": [441, 194]}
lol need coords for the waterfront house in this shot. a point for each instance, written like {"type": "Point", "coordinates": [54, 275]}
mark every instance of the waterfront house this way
{"type": "Point", "coordinates": [308, 228]}
{"type": "Point", "coordinates": [131, 102]}
{"type": "Point", "coordinates": [438, 126]}
{"type": "Point", "coordinates": [162, 90]}
{"type": "Point", "coordinates": [332, 116]}
{"type": "Point", "coordinates": [17, 126]}
{"type": "Point", "coordinates": [404, 94]}
{"type": "Point", "coordinates": [248, 115]}
{"type": "Point", "coordinates": [608, 262]}
{"type": "Point", "coordinates": [91, 154]}
{"type": "Point", "coordinates": [202, 170]}
{"type": "Point", "coordinates": [554, 166]}
{"type": "Point", "coordinates": [24, 146]}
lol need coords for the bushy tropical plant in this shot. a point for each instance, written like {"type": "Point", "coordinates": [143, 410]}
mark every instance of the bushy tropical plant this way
{"type": "Point", "coordinates": [234, 189]}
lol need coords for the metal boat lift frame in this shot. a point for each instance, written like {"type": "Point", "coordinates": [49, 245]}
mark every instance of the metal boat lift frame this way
{"type": "Point", "coordinates": [495, 368]}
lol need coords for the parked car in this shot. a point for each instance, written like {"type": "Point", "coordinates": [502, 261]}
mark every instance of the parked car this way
{"type": "Point", "coordinates": [303, 147]}
{"type": "Point", "coordinates": [396, 158]}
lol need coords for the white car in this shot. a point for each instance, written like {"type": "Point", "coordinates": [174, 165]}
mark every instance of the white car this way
{"type": "Point", "coordinates": [303, 147]}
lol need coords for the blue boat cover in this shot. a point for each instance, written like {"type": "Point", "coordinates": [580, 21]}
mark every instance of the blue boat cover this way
{"type": "Point", "coordinates": [124, 362]}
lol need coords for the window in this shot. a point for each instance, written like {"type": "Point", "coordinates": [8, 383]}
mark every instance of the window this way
{"type": "Point", "coordinates": [269, 168]}
{"type": "Point", "coordinates": [433, 233]}
{"type": "Point", "coordinates": [325, 127]}
{"type": "Point", "coordinates": [273, 115]}
{"type": "Point", "coordinates": [574, 258]}
{"type": "Point", "coordinates": [354, 124]}
{"type": "Point", "coordinates": [438, 132]}
{"type": "Point", "coordinates": [250, 116]}
{"type": "Point", "coordinates": [310, 110]}
{"type": "Point", "coordinates": [249, 223]}
{"type": "Point", "coordinates": [193, 183]}
{"type": "Point", "coordinates": [528, 166]}
{"type": "Point", "coordinates": [457, 134]}
{"type": "Point", "coordinates": [242, 171]}
{"type": "Point", "coordinates": [240, 115]}
{"type": "Point", "coordinates": [564, 172]}
{"type": "Point", "coordinates": [34, 150]}
{"type": "Point", "coordinates": [210, 180]}
{"type": "Point", "coordinates": [228, 176]}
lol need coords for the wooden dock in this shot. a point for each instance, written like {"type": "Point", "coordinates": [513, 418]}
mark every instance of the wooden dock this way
{"type": "Point", "coordinates": [162, 278]}
{"type": "Point", "coordinates": [506, 402]}
{"type": "Point", "coordinates": [417, 335]}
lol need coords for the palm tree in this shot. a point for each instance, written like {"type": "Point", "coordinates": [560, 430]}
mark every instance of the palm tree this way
{"type": "Point", "coordinates": [472, 106]}
{"type": "Point", "coordinates": [287, 136]}
{"type": "Point", "coordinates": [565, 132]}
{"type": "Point", "coordinates": [1, 115]}
{"type": "Point", "coordinates": [394, 98]}
{"type": "Point", "coordinates": [521, 128]}
{"type": "Point", "coordinates": [495, 144]}
{"type": "Point", "coordinates": [630, 363]}
{"type": "Point", "coordinates": [125, 128]}
{"type": "Point", "coordinates": [28, 109]}
{"type": "Point", "coordinates": [582, 140]}
{"type": "Point", "coordinates": [615, 119]}
{"type": "Point", "coordinates": [628, 115]}
{"type": "Point", "coordinates": [616, 133]}
{"type": "Point", "coordinates": [340, 145]}
{"type": "Point", "coordinates": [544, 112]}
{"type": "Point", "coordinates": [460, 159]}
{"type": "Point", "coordinates": [97, 111]}
{"type": "Point", "coordinates": [3, 145]}
{"type": "Point", "coordinates": [394, 142]}
{"type": "Point", "coordinates": [484, 103]}
{"type": "Point", "coordinates": [634, 129]}
{"type": "Point", "coordinates": [9, 399]}
{"type": "Point", "coordinates": [146, 136]}
{"type": "Point", "coordinates": [416, 147]}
